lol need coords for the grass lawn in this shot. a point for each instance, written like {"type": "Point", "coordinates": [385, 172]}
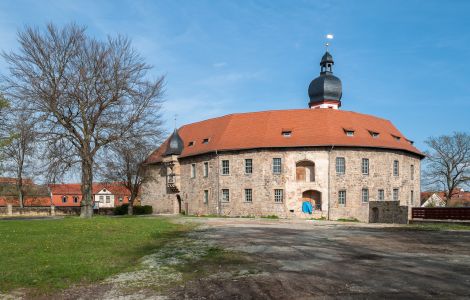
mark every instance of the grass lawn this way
{"type": "Point", "coordinates": [47, 255]}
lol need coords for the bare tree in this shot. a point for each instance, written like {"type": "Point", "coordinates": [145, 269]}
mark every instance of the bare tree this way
{"type": "Point", "coordinates": [123, 163]}
{"type": "Point", "coordinates": [448, 162]}
{"type": "Point", "coordinates": [85, 93]}
{"type": "Point", "coordinates": [19, 153]}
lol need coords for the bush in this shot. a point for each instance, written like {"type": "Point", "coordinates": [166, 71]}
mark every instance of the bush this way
{"type": "Point", "coordinates": [138, 209]}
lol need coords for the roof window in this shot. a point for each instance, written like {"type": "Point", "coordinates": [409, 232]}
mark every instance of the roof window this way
{"type": "Point", "coordinates": [349, 131]}
{"type": "Point", "coordinates": [374, 134]}
{"type": "Point", "coordinates": [190, 144]}
{"type": "Point", "coordinates": [205, 141]}
{"type": "Point", "coordinates": [396, 137]}
{"type": "Point", "coordinates": [286, 133]}
{"type": "Point", "coordinates": [410, 141]}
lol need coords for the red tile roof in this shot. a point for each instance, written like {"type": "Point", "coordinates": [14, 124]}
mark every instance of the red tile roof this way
{"type": "Point", "coordinates": [75, 188]}
{"type": "Point", "coordinates": [310, 127]}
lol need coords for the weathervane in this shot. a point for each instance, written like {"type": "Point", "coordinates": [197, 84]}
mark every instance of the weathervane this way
{"type": "Point", "coordinates": [329, 36]}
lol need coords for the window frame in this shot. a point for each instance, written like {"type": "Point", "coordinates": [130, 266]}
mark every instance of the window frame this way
{"type": "Point", "coordinates": [225, 169]}
{"type": "Point", "coordinates": [193, 171]}
{"type": "Point", "coordinates": [205, 198]}
{"type": "Point", "coordinates": [75, 199]}
{"type": "Point", "coordinates": [342, 197]}
{"type": "Point", "coordinates": [277, 168]}
{"type": "Point", "coordinates": [278, 196]}
{"type": "Point", "coordinates": [64, 199]}
{"type": "Point", "coordinates": [365, 195]}
{"type": "Point", "coordinates": [205, 171]}
{"type": "Point", "coordinates": [226, 195]}
{"type": "Point", "coordinates": [396, 194]}
{"type": "Point", "coordinates": [412, 172]}
{"type": "Point", "coordinates": [248, 195]}
{"type": "Point", "coordinates": [340, 167]}
{"type": "Point", "coordinates": [396, 168]}
{"type": "Point", "coordinates": [249, 167]}
{"type": "Point", "coordinates": [380, 195]}
{"type": "Point", "coordinates": [365, 166]}
{"type": "Point", "coordinates": [108, 199]}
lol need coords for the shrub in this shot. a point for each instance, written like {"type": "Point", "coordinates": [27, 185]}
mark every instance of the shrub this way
{"type": "Point", "coordinates": [270, 217]}
{"type": "Point", "coordinates": [138, 209]}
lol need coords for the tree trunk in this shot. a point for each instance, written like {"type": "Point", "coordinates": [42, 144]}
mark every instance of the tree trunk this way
{"type": "Point", "coordinates": [20, 190]}
{"type": "Point", "coordinates": [130, 208]}
{"type": "Point", "coordinates": [87, 188]}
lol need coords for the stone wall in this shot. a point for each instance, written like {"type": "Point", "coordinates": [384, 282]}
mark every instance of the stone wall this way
{"type": "Point", "coordinates": [380, 177]}
{"type": "Point", "coordinates": [387, 212]}
{"type": "Point", "coordinates": [263, 182]}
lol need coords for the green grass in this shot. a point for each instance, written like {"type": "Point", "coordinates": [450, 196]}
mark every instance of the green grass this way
{"type": "Point", "coordinates": [437, 226]}
{"type": "Point", "coordinates": [270, 217]}
{"type": "Point", "coordinates": [46, 255]}
{"type": "Point", "coordinates": [348, 220]}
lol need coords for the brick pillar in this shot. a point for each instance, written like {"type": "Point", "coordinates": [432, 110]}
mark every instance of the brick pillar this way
{"type": "Point", "coordinates": [9, 209]}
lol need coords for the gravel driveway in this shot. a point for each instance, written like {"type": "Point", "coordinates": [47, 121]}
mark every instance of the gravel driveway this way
{"type": "Point", "coordinates": [305, 260]}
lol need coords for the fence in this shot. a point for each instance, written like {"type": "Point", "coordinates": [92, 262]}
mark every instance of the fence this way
{"type": "Point", "coordinates": [441, 213]}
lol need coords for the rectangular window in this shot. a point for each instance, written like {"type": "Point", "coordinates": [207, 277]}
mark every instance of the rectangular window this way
{"type": "Point", "coordinates": [381, 195]}
{"type": "Point", "coordinates": [411, 197]}
{"type": "Point", "coordinates": [108, 199]}
{"type": "Point", "coordinates": [412, 172]}
{"type": "Point", "coordinates": [248, 166]}
{"type": "Point", "coordinates": [277, 165]}
{"type": "Point", "coordinates": [206, 169]}
{"type": "Point", "coordinates": [120, 199]}
{"type": "Point", "coordinates": [225, 167]}
{"type": "Point", "coordinates": [193, 170]}
{"type": "Point", "coordinates": [64, 199]}
{"type": "Point", "coordinates": [342, 197]}
{"type": "Point", "coordinates": [395, 194]}
{"type": "Point", "coordinates": [365, 166]}
{"type": "Point", "coordinates": [206, 196]}
{"type": "Point", "coordinates": [278, 195]}
{"type": "Point", "coordinates": [102, 199]}
{"type": "Point", "coordinates": [248, 195]}
{"type": "Point", "coordinates": [395, 168]}
{"type": "Point", "coordinates": [340, 165]}
{"type": "Point", "coordinates": [225, 195]}
{"type": "Point", "coordinates": [365, 195]}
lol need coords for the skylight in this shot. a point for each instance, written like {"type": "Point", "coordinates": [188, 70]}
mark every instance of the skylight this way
{"type": "Point", "coordinates": [349, 131]}
{"type": "Point", "coordinates": [190, 144]}
{"type": "Point", "coordinates": [396, 137]}
{"type": "Point", "coordinates": [205, 141]}
{"type": "Point", "coordinates": [286, 133]}
{"type": "Point", "coordinates": [374, 134]}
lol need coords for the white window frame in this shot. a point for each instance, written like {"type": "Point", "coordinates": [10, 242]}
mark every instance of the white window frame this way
{"type": "Point", "coordinates": [108, 199]}
{"type": "Point", "coordinates": [101, 199]}
{"type": "Point", "coordinates": [278, 195]}
{"type": "Point", "coordinates": [193, 170]}
{"type": "Point", "coordinates": [365, 166]}
{"type": "Point", "coordinates": [249, 167]}
{"type": "Point", "coordinates": [342, 197]}
{"type": "Point", "coordinates": [396, 168]}
{"type": "Point", "coordinates": [277, 165]}
{"type": "Point", "coordinates": [340, 165]}
{"type": "Point", "coordinates": [225, 195]}
{"type": "Point", "coordinates": [249, 195]}
{"type": "Point", "coordinates": [365, 195]}
{"type": "Point", "coordinates": [225, 167]}
{"type": "Point", "coordinates": [380, 195]}
{"type": "Point", "coordinates": [396, 194]}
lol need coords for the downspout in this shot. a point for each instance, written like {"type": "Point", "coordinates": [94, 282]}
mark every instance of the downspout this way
{"type": "Point", "coordinates": [329, 181]}
{"type": "Point", "coordinates": [219, 207]}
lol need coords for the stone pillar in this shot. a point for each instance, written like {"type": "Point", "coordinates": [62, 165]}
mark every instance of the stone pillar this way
{"type": "Point", "coordinates": [52, 210]}
{"type": "Point", "coordinates": [9, 209]}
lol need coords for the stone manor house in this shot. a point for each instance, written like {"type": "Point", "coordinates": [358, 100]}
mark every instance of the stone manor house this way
{"type": "Point", "coordinates": [345, 164]}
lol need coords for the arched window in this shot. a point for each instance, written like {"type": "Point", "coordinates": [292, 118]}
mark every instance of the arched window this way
{"type": "Point", "coordinates": [313, 197]}
{"type": "Point", "coordinates": [305, 171]}
{"type": "Point", "coordinates": [64, 199]}
{"type": "Point", "coordinates": [75, 199]}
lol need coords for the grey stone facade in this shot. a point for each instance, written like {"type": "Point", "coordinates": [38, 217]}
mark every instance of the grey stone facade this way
{"type": "Point", "coordinates": [188, 193]}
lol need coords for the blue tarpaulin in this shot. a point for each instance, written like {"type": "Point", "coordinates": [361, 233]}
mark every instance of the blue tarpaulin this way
{"type": "Point", "coordinates": [307, 207]}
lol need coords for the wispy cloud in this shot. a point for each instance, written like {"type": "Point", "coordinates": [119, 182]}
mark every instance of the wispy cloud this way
{"type": "Point", "coordinates": [219, 64]}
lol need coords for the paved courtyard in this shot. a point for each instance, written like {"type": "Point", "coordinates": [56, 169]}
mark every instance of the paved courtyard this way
{"type": "Point", "coordinates": [308, 259]}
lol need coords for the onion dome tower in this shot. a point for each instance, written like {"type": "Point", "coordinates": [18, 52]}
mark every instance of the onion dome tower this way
{"type": "Point", "coordinates": [175, 144]}
{"type": "Point", "coordinates": [325, 91]}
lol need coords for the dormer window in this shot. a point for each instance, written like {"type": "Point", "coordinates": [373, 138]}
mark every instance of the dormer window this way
{"type": "Point", "coordinates": [396, 137]}
{"type": "Point", "coordinates": [286, 133]}
{"type": "Point", "coordinates": [190, 144]}
{"type": "Point", "coordinates": [348, 131]}
{"type": "Point", "coordinates": [410, 141]}
{"type": "Point", "coordinates": [374, 134]}
{"type": "Point", "coordinates": [205, 141]}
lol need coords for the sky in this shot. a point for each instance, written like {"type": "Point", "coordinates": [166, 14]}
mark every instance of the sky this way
{"type": "Point", "coordinates": [405, 61]}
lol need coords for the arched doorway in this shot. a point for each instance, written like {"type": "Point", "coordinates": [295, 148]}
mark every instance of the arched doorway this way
{"type": "Point", "coordinates": [305, 171]}
{"type": "Point", "coordinates": [179, 203]}
{"type": "Point", "coordinates": [314, 197]}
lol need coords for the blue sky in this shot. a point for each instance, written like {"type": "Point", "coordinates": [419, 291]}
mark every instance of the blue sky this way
{"type": "Point", "coordinates": [406, 61]}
